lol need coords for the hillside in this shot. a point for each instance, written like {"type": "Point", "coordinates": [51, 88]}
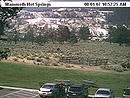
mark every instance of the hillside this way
{"type": "Point", "coordinates": [73, 18]}
{"type": "Point", "coordinates": [81, 55]}
{"type": "Point", "coordinates": [121, 16]}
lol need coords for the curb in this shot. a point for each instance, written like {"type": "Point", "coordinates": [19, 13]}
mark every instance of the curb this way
{"type": "Point", "coordinates": [15, 88]}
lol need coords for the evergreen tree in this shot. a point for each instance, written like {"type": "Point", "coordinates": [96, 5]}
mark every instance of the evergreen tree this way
{"type": "Point", "coordinates": [73, 37]}
{"type": "Point", "coordinates": [5, 15]}
{"type": "Point", "coordinates": [84, 33]}
{"type": "Point", "coordinates": [42, 36]}
{"type": "Point", "coordinates": [120, 35]}
{"type": "Point", "coordinates": [63, 34]}
{"type": "Point", "coordinates": [29, 36]}
{"type": "Point", "coordinates": [52, 35]}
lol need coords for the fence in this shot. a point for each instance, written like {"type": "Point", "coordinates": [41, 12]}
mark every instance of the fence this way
{"type": "Point", "coordinates": [72, 60]}
{"type": "Point", "coordinates": [83, 60]}
{"type": "Point", "coordinates": [97, 62]}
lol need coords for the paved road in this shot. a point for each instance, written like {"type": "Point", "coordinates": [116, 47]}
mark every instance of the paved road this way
{"type": "Point", "coordinates": [19, 93]}
{"type": "Point", "coordinates": [11, 93]}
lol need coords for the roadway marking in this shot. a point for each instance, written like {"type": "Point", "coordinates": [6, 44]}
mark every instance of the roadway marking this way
{"type": "Point", "coordinates": [21, 94]}
{"type": "Point", "coordinates": [35, 96]}
{"type": "Point", "coordinates": [26, 94]}
{"type": "Point", "coordinates": [15, 95]}
{"type": "Point", "coordinates": [18, 88]}
{"type": "Point", "coordinates": [9, 97]}
{"type": "Point", "coordinates": [9, 94]}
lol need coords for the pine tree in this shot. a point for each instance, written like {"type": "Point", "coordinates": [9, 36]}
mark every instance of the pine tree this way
{"type": "Point", "coordinates": [84, 33]}
{"type": "Point", "coordinates": [5, 15]}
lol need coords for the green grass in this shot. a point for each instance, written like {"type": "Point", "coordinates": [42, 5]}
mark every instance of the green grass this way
{"type": "Point", "coordinates": [27, 76]}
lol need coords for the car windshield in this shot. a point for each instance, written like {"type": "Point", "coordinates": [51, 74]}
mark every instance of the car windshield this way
{"type": "Point", "coordinates": [127, 92]}
{"type": "Point", "coordinates": [48, 86]}
{"type": "Point", "coordinates": [75, 89]}
{"type": "Point", "coordinates": [103, 92]}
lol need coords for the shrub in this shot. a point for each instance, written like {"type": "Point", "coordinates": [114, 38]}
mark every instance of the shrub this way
{"type": "Point", "coordinates": [47, 57]}
{"type": "Point", "coordinates": [68, 66]}
{"type": "Point", "coordinates": [125, 69]}
{"type": "Point", "coordinates": [30, 58]}
{"type": "Point", "coordinates": [24, 56]}
{"type": "Point", "coordinates": [126, 65]}
{"type": "Point", "coordinates": [115, 68]}
{"type": "Point", "coordinates": [47, 63]}
{"type": "Point", "coordinates": [33, 58]}
{"type": "Point", "coordinates": [41, 56]}
{"type": "Point", "coordinates": [39, 60]}
{"type": "Point", "coordinates": [106, 67]}
{"type": "Point", "coordinates": [54, 64]}
{"type": "Point", "coordinates": [34, 62]}
{"type": "Point", "coordinates": [20, 57]}
{"type": "Point", "coordinates": [82, 66]}
{"type": "Point", "coordinates": [118, 69]}
{"type": "Point", "coordinates": [15, 59]}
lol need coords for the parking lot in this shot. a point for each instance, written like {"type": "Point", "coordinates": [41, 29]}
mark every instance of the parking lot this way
{"type": "Point", "coordinates": [18, 93]}
{"type": "Point", "coordinates": [13, 93]}
{"type": "Point", "coordinates": [22, 93]}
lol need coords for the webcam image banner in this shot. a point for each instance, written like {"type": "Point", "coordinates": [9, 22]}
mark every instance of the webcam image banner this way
{"type": "Point", "coordinates": [72, 3]}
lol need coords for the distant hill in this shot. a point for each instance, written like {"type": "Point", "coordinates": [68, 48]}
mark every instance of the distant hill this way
{"type": "Point", "coordinates": [121, 16]}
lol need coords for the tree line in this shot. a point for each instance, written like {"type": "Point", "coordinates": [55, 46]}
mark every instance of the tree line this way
{"type": "Point", "coordinates": [7, 14]}
{"type": "Point", "coordinates": [119, 34]}
{"type": "Point", "coordinates": [42, 35]}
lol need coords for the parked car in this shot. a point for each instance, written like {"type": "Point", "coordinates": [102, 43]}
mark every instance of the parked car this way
{"type": "Point", "coordinates": [104, 93]}
{"type": "Point", "coordinates": [77, 91]}
{"type": "Point", "coordinates": [126, 92]}
{"type": "Point", "coordinates": [49, 90]}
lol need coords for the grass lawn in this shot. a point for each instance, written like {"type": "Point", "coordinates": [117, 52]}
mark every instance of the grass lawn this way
{"type": "Point", "coordinates": [20, 75]}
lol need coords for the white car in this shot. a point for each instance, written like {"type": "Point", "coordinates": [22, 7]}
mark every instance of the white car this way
{"type": "Point", "coordinates": [49, 90]}
{"type": "Point", "coordinates": [126, 93]}
{"type": "Point", "coordinates": [104, 93]}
